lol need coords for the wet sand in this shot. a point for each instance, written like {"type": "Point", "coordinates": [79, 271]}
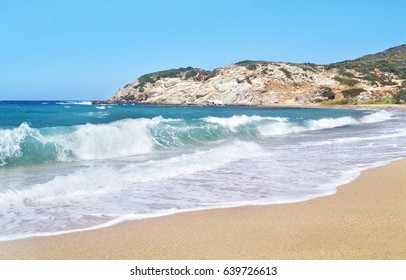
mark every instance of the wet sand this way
{"type": "Point", "coordinates": [366, 219]}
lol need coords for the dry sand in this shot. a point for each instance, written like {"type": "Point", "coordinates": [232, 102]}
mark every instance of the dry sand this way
{"type": "Point", "coordinates": [366, 219]}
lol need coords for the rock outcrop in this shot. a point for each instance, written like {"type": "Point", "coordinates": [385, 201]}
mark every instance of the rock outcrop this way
{"type": "Point", "coordinates": [260, 83]}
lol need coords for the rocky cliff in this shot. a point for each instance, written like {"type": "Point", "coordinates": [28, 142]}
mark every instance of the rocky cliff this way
{"type": "Point", "coordinates": [269, 83]}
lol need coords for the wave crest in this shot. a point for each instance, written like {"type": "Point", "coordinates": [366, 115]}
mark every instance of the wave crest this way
{"type": "Point", "coordinates": [27, 145]}
{"type": "Point", "coordinates": [131, 137]}
{"type": "Point", "coordinates": [23, 144]}
{"type": "Point", "coordinates": [284, 127]}
{"type": "Point", "coordinates": [103, 179]}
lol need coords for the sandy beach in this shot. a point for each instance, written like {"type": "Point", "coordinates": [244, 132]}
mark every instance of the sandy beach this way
{"type": "Point", "coordinates": [366, 219]}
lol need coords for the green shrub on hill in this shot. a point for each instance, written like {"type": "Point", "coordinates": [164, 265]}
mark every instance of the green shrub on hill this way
{"type": "Point", "coordinates": [191, 73]}
{"type": "Point", "coordinates": [372, 77]}
{"type": "Point", "coordinates": [346, 81]}
{"type": "Point", "coordinates": [354, 101]}
{"type": "Point", "coordinates": [400, 97]}
{"type": "Point", "coordinates": [327, 92]}
{"type": "Point", "coordinates": [352, 92]}
{"type": "Point", "coordinates": [343, 72]}
{"type": "Point", "coordinates": [251, 64]}
{"type": "Point", "coordinates": [341, 101]}
{"type": "Point", "coordinates": [187, 73]}
{"type": "Point", "coordinates": [392, 60]}
{"type": "Point", "coordinates": [380, 101]}
{"type": "Point", "coordinates": [287, 73]}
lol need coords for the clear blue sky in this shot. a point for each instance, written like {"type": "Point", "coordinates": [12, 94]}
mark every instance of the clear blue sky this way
{"type": "Point", "coordinates": [88, 49]}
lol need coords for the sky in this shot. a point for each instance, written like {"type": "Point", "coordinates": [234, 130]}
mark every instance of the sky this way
{"type": "Point", "coordinates": [87, 50]}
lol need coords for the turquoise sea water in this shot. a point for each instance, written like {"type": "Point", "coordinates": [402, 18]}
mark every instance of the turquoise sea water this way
{"type": "Point", "coordinates": [67, 166]}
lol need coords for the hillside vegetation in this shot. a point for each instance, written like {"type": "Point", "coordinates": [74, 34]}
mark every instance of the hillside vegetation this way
{"type": "Point", "coordinates": [371, 79]}
{"type": "Point", "coordinates": [392, 60]}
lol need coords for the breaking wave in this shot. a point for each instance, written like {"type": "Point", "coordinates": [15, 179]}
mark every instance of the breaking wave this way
{"type": "Point", "coordinates": [132, 137]}
{"type": "Point", "coordinates": [106, 179]}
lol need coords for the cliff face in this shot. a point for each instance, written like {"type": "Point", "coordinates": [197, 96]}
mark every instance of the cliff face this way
{"type": "Point", "coordinates": [261, 83]}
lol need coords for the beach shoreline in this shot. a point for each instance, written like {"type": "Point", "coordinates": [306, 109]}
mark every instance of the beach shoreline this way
{"type": "Point", "coordinates": [282, 105]}
{"type": "Point", "coordinates": [365, 219]}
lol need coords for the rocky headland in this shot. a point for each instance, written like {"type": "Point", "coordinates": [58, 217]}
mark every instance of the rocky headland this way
{"type": "Point", "coordinates": [372, 79]}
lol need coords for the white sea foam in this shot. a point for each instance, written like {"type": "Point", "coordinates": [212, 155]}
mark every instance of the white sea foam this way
{"type": "Point", "coordinates": [325, 123]}
{"type": "Point", "coordinates": [233, 122]}
{"type": "Point", "coordinates": [84, 142]}
{"type": "Point", "coordinates": [132, 137]}
{"type": "Point", "coordinates": [98, 180]}
{"type": "Point", "coordinates": [191, 163]}
{"type": "Point", "coordinates": [396, 134]}
{"type": "Point", "coordinates": [285, 127]}
{"type": "Point", "coordinates": [378, 116]}
{"type": "Point", "coordinates": [102, 141]}
{"type": "Point", "coordinates": [136, 178]}
{"type": "Point", "coordinates": [75, 103]}
{"type": "Point", "coordinates": [11, 140]}
{"type": "Point", "coordinates": [92, 181]}
{"type": "Point", "coordinates": [330, 123]}
{"type": "Point", "coordinates": [279, 128]}
{"type": "Point", "coordinates": [97, 115]}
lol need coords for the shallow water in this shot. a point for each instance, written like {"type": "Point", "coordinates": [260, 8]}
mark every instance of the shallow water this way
{"type": "Point", "coordinates": [66, 166]}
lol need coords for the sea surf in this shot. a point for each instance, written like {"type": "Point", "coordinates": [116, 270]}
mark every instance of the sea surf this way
{"type": "Point", "coordinates": [70, 166]}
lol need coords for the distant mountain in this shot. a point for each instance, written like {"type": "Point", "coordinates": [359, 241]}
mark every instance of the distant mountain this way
{"type": "Point", "coordinates": [374, 78]}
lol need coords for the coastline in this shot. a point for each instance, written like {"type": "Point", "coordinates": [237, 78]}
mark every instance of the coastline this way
{"type": "Point", "coordinates": [274, 105]}
{"type": "Point", "coordinates": [282, 105]}
{"type": "Point", "coordinates": [365, 219]}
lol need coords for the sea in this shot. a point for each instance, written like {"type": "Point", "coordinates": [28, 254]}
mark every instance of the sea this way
{"type": "Point", "coordinates": [70, 166]}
